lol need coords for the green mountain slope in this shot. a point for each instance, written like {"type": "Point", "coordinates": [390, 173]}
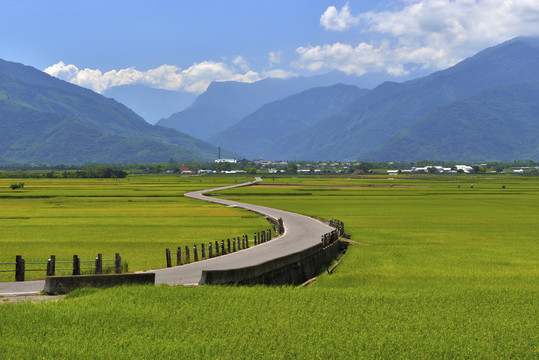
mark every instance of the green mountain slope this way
{"type": "Point", "coordinates": [256, 134]}
{"type": "Point", "coordinates": [92, 127]}
{"type": "Point", "coordinates": [498, 124]}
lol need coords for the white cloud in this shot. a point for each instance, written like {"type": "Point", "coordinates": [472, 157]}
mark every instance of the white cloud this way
{"type": "Point", "coordinates": [241, 62]}
{"type": "Point", "coordinates": [430, 34]}
{"type": "Point", "coordinates": [346, 58]}
{"type": "Point", "coordinates": [278, 74]}
{"type": "Point", "coordinates": [194, 79]}
{"type": "Point", "coordinates": [275, 58]}
{"type": "Point", "coordinates": [334, 19]}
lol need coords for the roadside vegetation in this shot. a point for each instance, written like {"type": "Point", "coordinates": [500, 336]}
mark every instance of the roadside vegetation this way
{"type": "Point", "coordinates": [438, 270]}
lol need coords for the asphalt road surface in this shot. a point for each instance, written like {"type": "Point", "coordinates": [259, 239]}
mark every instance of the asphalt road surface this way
{"type": "Point", "coordinates": [301, 232]}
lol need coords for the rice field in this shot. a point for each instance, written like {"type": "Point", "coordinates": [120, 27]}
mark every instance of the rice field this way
{"type": "Point", "coordinates": [138, 217]}
{"type": "Point", "coordinates": [437, 271]}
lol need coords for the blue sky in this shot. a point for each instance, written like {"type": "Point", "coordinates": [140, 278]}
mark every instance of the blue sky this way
{"type": "Point", "coordinates": [183, 45]}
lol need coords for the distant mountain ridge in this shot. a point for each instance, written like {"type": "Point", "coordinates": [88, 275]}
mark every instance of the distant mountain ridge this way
{"type": "Point", "coordinates": [224, 104]}
{"type": "Point", "coordinates": [261, 130]}
{"type": "Point", "coordinates": [370, 122]}
{"type": "Point", "coordinates": [500, 123]}
{"type": "Point", "coordinates": [47, 120]}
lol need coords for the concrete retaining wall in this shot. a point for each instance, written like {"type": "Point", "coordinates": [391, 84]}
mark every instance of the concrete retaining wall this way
{"type": "Point", "coordinates": [66, 284]}
{"type": "Point", "coordinates": [293, 269]}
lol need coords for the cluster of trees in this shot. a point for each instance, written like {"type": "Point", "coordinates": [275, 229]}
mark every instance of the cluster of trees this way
{"type": "Point", "coordinates": [17, 186]}
{"type": "Point", "coordinates": [101, 172]}
{"type": "Point", "coordinates": [96, 172]}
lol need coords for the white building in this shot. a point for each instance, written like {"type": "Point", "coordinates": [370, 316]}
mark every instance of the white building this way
{"type": "Point", "coordinates": [467, 169]}
{"type": "Point", "coordinates": [233, 161]}
{"type": "Point", "coordinates": [234, 172]}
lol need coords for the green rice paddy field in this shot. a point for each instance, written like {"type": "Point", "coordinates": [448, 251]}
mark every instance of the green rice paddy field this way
{"type": "Point", "coordinates": [438, 271]}
{"type": "Point", "coordinates": [138, 217]}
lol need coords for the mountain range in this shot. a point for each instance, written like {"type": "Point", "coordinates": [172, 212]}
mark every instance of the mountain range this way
{"type": "Point", "coordinates": [47, 120]}
{"type": "Point", "coordinates": [485, 108]}
{"type": "Point", "coordinates": [406, 121]}
{"type": "Point", "coordinates": [225, 103]}
{"type": "Point", "coordinates": [261, 131]}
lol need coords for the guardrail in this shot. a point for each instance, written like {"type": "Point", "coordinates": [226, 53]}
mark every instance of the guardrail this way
{"type": "Point", "coordinates": [217, 249]}
{"type": "Point", "coordinates": [337, 224]}
{"type": "Point", "coordinates": [50, 270]}
{"type": "Point", "coordinates": [291, 269]}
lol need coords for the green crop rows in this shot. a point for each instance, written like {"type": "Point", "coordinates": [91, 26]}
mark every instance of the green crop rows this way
{"type": "Point", "coordinates": [439, 270]}
{"type": "Point", "coordinates": [138, 217]}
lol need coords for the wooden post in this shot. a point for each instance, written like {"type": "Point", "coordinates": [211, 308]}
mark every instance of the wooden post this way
{"type": "Point", "coordinates": [76, 265]}
{"type": "Point", "coordinates": [118, 264]}
{"type": "Point", "coordinates": [195, 254]}
{"type": "Point", "coordinates": [234, 244]}
{"type": "Point", "coordinates": [210, 250]}
{"type": "Point", "coordinates": [203, 252]}
{"type": "Point", "coordinates": [247, 241]}
{"type": "Point", "coordinates": [51, 266]}
{"type": "Point", "coordinates": [19, 268]}
{"type": "Point", "coordinates": [269, 234]}
{"type": "Point", "coordinates": [99, 264]}
{"type": "Point", "coordinates": [216, 248]}
{"type": "Point", "coordinates": [254, 239]}
{"type": "Point", "coordinates": [228, 241]}
{"type": "Point", "coordinates": [187, 257]}
{"type": "Point", "coordinates": [179, 256]}
{"type": "Point", "coordinates": [169, 260]}
{"type": "Point", "coordinates": [222, 247]}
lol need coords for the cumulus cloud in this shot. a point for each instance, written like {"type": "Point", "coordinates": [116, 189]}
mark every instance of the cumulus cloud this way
{"type": "Point", "coordinates": [278, 74]}
{"type": "Point", "coordinates": [346, 58]}
{"type": "Point", "coordinates": [241, 62]}
{"type": "Point", "coordinates": [194, 79]}
{"type": "Point", "coordinates": [334, 19]}
{"type": "Point", "coordinates": [431, 34]}
{"type": "Point", "coordinates": [275, 57]}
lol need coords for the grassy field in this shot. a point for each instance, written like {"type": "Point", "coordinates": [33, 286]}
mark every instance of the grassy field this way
{"type": "Point", "coordinates": [439, 271]}
{"type": "Point", "coordinates": [138, 217]}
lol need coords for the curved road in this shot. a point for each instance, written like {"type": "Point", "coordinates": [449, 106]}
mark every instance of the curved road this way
{"type": "Point", "coordinates": [301, 232]}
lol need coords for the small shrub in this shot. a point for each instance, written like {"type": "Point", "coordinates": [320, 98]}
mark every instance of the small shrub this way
{"type": "Point", "coordinates": [16, 186]}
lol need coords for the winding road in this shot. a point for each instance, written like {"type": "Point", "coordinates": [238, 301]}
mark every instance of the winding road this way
{"type": "Point", "coordinates": [301, 232]}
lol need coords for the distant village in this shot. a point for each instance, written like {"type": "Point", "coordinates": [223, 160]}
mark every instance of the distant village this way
{"type": "Point", "coordinates": [234, 166]}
